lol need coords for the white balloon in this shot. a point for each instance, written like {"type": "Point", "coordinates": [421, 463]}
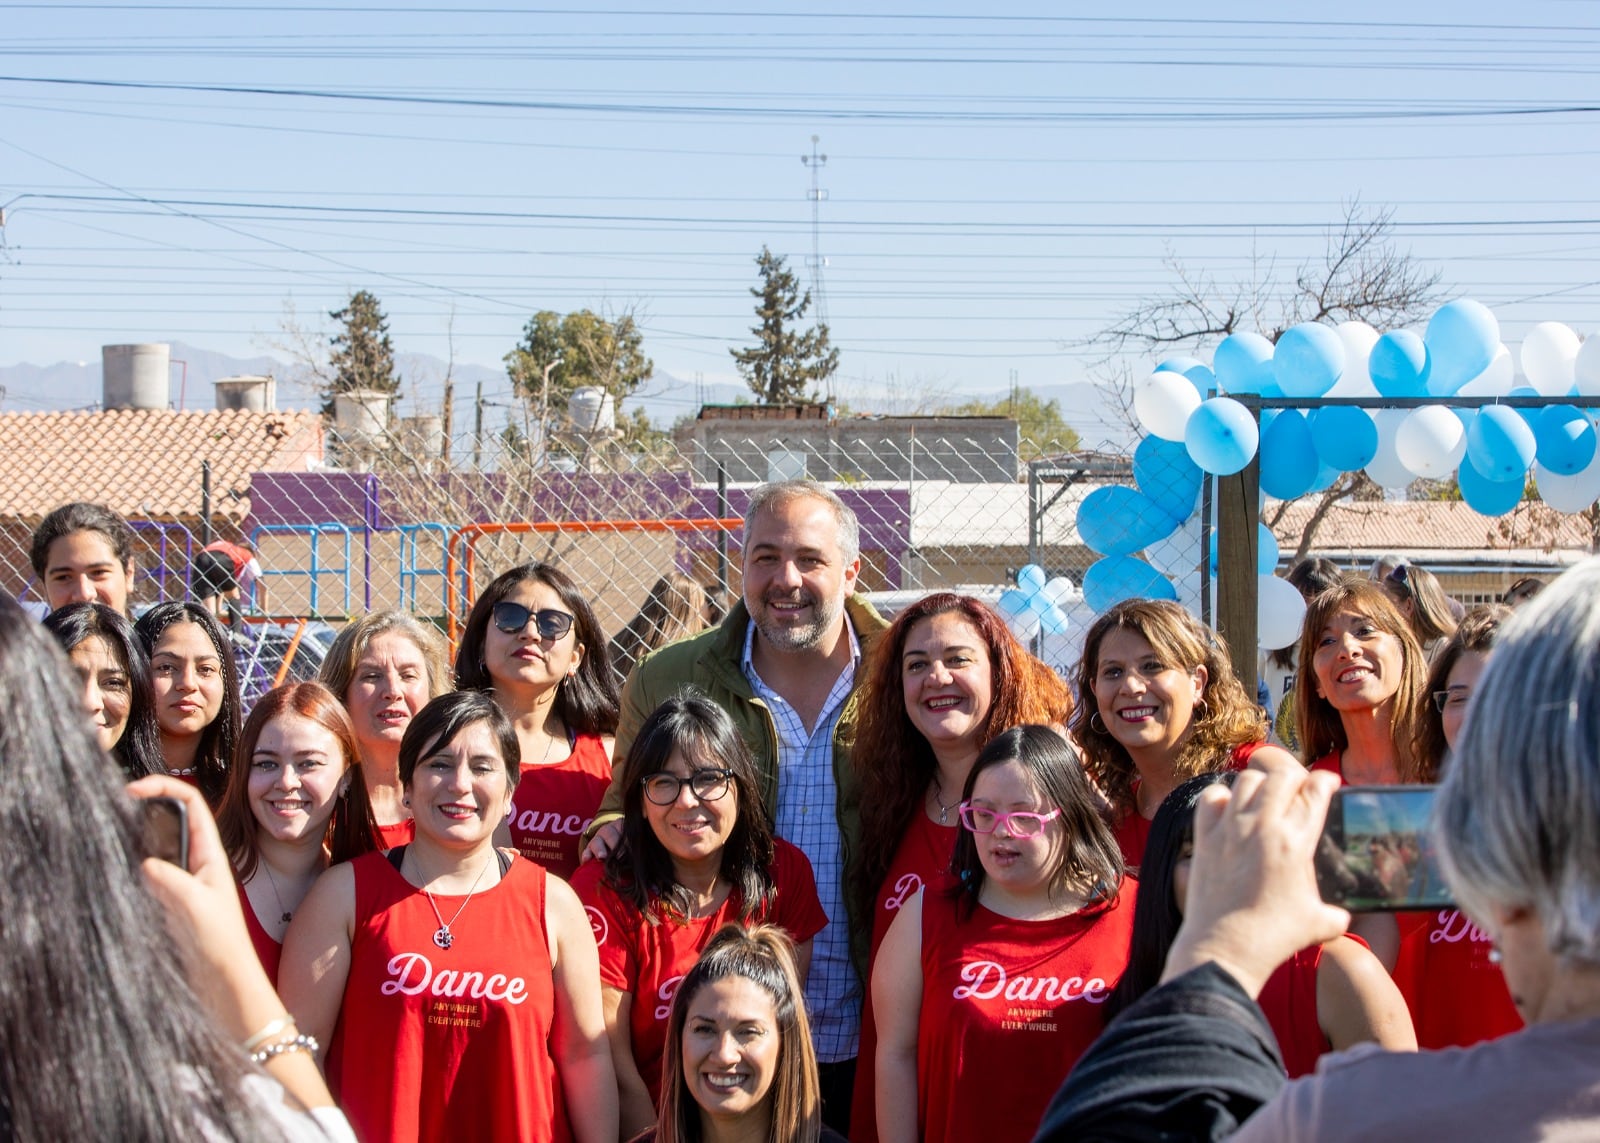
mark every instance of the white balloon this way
{"type": "Point", "coordinates": [1431, 442]}
{"type": "Point", "coordinates": [1163, 402]}
{"type": "Point", "coordinates": [1179, 554]}
{"type": "Point", "coordinates": [1586, 368]}
{"type": "Point", "coordinates": [1549, 357]}
{"type": "Point", "coordinates": [1569, 493]}
{"type": "Point", "coordinates": [1059, 591]}
{"type": "Point", "coordinates": [1496, 380]}
{"type": "Point", "coordinates": [1280, 610]}
{"type": "Point", "coordinates": [1386, 470]}
{"type": "Point", "coordinates": [1358, 338]}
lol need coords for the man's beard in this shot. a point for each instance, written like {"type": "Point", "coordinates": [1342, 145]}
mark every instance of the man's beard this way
{"type": "Point", "coordinates": [803, 637]}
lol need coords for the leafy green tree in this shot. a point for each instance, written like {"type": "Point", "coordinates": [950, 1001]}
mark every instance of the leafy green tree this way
{"type": "Point", "coordinates": [784, 366]}
{"type": "Point", "coordinates": [578, 349]}
{"type": "Point", "coordinates": [362, 356]}
{"type": "Point", "coordinates": [1042, 430]}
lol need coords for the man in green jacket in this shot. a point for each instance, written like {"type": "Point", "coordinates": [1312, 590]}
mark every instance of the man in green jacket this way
{"type": "Point", "coordinates": [784, 664]}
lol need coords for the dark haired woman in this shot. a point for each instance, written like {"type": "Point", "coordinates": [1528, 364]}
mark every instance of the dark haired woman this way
{"type": "Point", "coordinates": [944, 679]}
{"type": "Point", "coordinates": [533, 642]}
{"type": "Point", "coordinates": [674, 609]}
{"type": "Point", "coordinates": [986, 996]}
{"type": "Point", "coordinates": [1328, 997]}
{"type": "Point", "coordinates": [456, 982]}
{"type": "Point", "coordinates": [1158, 703]}
{"type": "Point", "coordinates": [196, 687]}
{"type": "Point", "coordinates": [739, 1063]}
{"type": "Point", "coordinates": [116, 683]}
{"type": "Point", "coordinates": [295, 804]}
{"type": "Point", "coordinates": [697, 852]}
{"type": "Point", "coordinates": [1447, 970]}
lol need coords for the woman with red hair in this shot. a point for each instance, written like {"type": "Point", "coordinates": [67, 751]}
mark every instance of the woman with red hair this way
{"type": "Point", "coordinates": [945, 678]}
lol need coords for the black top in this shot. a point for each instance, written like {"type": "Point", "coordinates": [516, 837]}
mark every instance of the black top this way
{"type": "Point", "coordinates": [829, 1135]}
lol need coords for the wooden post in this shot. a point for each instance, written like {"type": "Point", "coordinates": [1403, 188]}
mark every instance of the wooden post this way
{"type": "Point", "coordinates": [1238, 541]}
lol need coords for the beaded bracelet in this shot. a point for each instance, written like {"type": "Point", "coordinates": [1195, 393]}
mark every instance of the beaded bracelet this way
{"type": "Point", "coordinates": [277, 1027]}
{"type": "Point", "coordinates": [300, 1043]}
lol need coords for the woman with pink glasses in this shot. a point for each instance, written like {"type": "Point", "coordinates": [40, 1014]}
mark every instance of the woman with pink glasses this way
{"type": "Point", "coordinates": [985, 995]}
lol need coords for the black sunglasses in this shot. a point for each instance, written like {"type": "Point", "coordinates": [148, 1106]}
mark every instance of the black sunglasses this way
{"type": "Point", "coordinates": [513, 617]}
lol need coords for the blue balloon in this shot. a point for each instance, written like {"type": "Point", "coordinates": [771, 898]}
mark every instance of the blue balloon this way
{"type": "Point", "coordinates": [1163, 471]}
{"type": "Point", "coordinates": [1267, 551]}
{"type": "Point", "coordinates": [1198, 373]}
{"type": "Point", "coordinates": [1109, 581]}
{"type": "Point", "coordinates": [1500, 444]}
{"type": "Point", "coordinates": [1566, 439]}
{"type": "Point", "coordinates": [1531, 413]}
{"type": "Point", "coordinates": [1288, 457]}
{"type": "Point", "coordinates": [1345, 438]}
{"type": "Point", "coordinates": [1326, 475]}
{"type": "Point", "coordinates": [1463, 337]}
{"type": "Point", "coordinates": [1178, 365]}
{"type": "Point", "coordinates": [1485, 496]}
{"type": "Point", "coordinates": [1308, 360]}
{"type": "Point", "coordinates": [1221, 436]}
{"type": "Point", "coordinates": [1117, 520]}
{"type": "Point", "coordinates": [1054, 621]}
{"type": "Point", "coordinates": [1399, 365]}
{"type": "Point", "coordinates": [1012, 603]}
{"type": "Point", "coordinates": [1243, 363]}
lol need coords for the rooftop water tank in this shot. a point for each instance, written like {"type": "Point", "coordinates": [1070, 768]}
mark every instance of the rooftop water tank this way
{"type": "Point", "coordinates": [249, 394]}
{"type": "Point", "coordinates": [136, 376]}
{"type": "Point", "coordinates": [361, 416]}
{"type": "Point", "coordinates": [592, 410]}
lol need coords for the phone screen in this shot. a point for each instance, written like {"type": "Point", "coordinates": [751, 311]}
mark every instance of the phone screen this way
{"type": "Point", "coordinates": [166, 830]}
{"type": "Point", "coordinates": [1375, 853]}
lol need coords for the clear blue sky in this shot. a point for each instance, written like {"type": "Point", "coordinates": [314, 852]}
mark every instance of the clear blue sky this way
{"type": "Point", "coordinates": [1002, 179]}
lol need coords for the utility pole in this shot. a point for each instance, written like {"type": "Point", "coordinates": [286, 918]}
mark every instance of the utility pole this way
{"type": "Point", "coordinates": [544, 412]}
{"type": "Point", "coordinates": [816, 161]}
{"type": "Point", "coordinates": [477, 432]}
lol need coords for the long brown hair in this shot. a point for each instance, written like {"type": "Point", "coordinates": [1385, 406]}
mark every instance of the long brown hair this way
{"type": "Point", "coordinates": [893, 763]}
{"type": "Point", "coordinates": [1431, 617]}
{"type": "Point", "coordinates": [351, 830]}
{"type": "Point", "coordinates": [1476, 635]}
{"type": "Point", "coordinates": [1228, 719]}
{"type": "Point", "coordinates": [764, 956]}
{"type": "Point", "coordinates": [1320, 728]}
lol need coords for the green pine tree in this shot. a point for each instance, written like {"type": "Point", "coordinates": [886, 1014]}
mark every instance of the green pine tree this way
{"type": "Point", "coordinates": [785, 366]}
{"type": "Point", "coordinates": [362, 357]}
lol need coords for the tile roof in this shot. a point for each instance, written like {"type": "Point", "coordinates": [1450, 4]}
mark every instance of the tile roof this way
{"type": "Point", "coordinates": [146, 462]}
{"type": "Point", "coordinates": [1436, 525]}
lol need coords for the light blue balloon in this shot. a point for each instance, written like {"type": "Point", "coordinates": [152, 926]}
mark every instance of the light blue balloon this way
{"type": "Point", "coordinates": [1500, 444]}
{"type": "Point", "coordinates": [1566, 439]}
{"type": "Point", "coordinates": [1288, 456]}
{"type": "Point", "coordinates": [1054, 621]}
{"type": "Point", "coordinates": [1531, 413]}
{"type": "Point", "coordinates": [1485, 496]}
{"type": "Point", "coordinates": [1197, 371]}
{"type": "Point", "coordinates": [1463, 337]}
{"type": "Point", "coordinates": [1031, 577]}
{"type": "Point", "coordinates": [1267, 551]}
{"type": "Point", "coordinates": [1399, 365]}
{"type": "Point", "coordinates": [1109, 581]}
{"type": "Point", "coordinates": [1308, 360]}
{"type": "Point", "coordinates": [1164, 472]}
{"type": "Point", "coordinates": [1326, 475]}
{"type": "Point", "coordinates": [1117, 520]}
{"type": "Point", "coordinates": [1345, 438]}
{"type": "Point", "coordinates": [1012, 603]}
{"type": "Point", "coordinates": [1221, 436]}
{"type": "Point", "coordinates": [1243, 363]}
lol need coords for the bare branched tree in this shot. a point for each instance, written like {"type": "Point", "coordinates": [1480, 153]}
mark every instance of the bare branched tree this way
{"type": "Point", "coordinates": [1362, 275]}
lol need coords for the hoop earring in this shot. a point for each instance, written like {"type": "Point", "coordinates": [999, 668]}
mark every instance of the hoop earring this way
{"type": "Point", "coordinates": [1101, 728]}
{"type": "Point", "coordinates": [1201, 709]}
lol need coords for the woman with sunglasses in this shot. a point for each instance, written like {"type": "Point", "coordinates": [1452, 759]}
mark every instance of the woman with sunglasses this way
{"type": "Point", "coordinates": [985, 995]}
{"type": "Point", "coordinates": [533, 642]}
{"type": "Point", "coordinates": [1447, 971]}
{"type": "Point", "coordinates": [1417, 593]}
{"type": "Point", "coordinates": [696, 853]}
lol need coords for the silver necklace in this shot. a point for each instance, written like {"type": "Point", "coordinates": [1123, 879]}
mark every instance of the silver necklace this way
{"type": "Point", "coordinates": [944, 810]}
{"type": "Point", "coordinates": [443, 937]}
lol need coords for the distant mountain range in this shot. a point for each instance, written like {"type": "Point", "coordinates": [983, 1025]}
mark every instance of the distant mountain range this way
{"type": "Point", "coordinates": [665, 398]}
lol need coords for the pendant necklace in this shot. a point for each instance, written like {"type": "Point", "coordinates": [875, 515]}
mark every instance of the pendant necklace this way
{"type": "Point", "coordinates": [443, 937]}
{"type": "Point", "coordinates": [276, 896]}
{"type": "Point", "coordinates": [944, 810]}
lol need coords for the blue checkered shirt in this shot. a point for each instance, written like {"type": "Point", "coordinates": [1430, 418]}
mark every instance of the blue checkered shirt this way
{"type": "Point", "coordinates": [808, 818]}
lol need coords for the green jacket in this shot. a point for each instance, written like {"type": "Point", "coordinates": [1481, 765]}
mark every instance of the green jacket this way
{"type": "Point", "coordinates": [710, 662]}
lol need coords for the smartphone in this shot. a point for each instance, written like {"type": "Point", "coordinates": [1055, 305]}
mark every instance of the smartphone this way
{"type": "Point", "coordinates": [166, 830]}
{"type": "Point", "coordinates": [1375, 853]}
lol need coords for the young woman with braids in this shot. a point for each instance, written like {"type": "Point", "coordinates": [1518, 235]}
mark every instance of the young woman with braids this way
{"type": "Point", "coordinates": [945, 678]}
{"type": "Point", "coordinates": [1158, 703]}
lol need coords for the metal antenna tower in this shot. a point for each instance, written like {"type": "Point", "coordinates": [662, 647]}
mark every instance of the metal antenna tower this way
{"type": "Point", "coordinates": [816, 263]}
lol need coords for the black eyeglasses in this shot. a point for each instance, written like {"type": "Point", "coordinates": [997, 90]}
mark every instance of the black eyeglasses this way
{"type": "Point", "coordinates": [708, 785]}
{"type": "Point", "coordinates": [513, 617]}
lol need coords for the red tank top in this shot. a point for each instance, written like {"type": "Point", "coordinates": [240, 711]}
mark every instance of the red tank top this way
{"type": "Point", "coordinates": [1132, 830]}
{"type": "Point", "coordinates": [268, 951]}
{"type": "Point", "coordinates": [1007, 1008]}
{"type": "Point", "coordinates": [1289, 1002]}
{"type": "Point", "coordinates": [394, 836]}
{"type": "Point", "coordinates": [649, 960]}
{"type": "Point", "coordinates": [1456, 996]}
{"type": "Point", "coordinates": [555, 803]}
{"type": "Point", "coordinates": [922, 858]}
{"type": "Point", "coordinates": [448, 1043]}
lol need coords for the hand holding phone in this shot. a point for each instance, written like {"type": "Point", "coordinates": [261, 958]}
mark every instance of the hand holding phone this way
{"type": "Point", "coordinates": [1376, 854]}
